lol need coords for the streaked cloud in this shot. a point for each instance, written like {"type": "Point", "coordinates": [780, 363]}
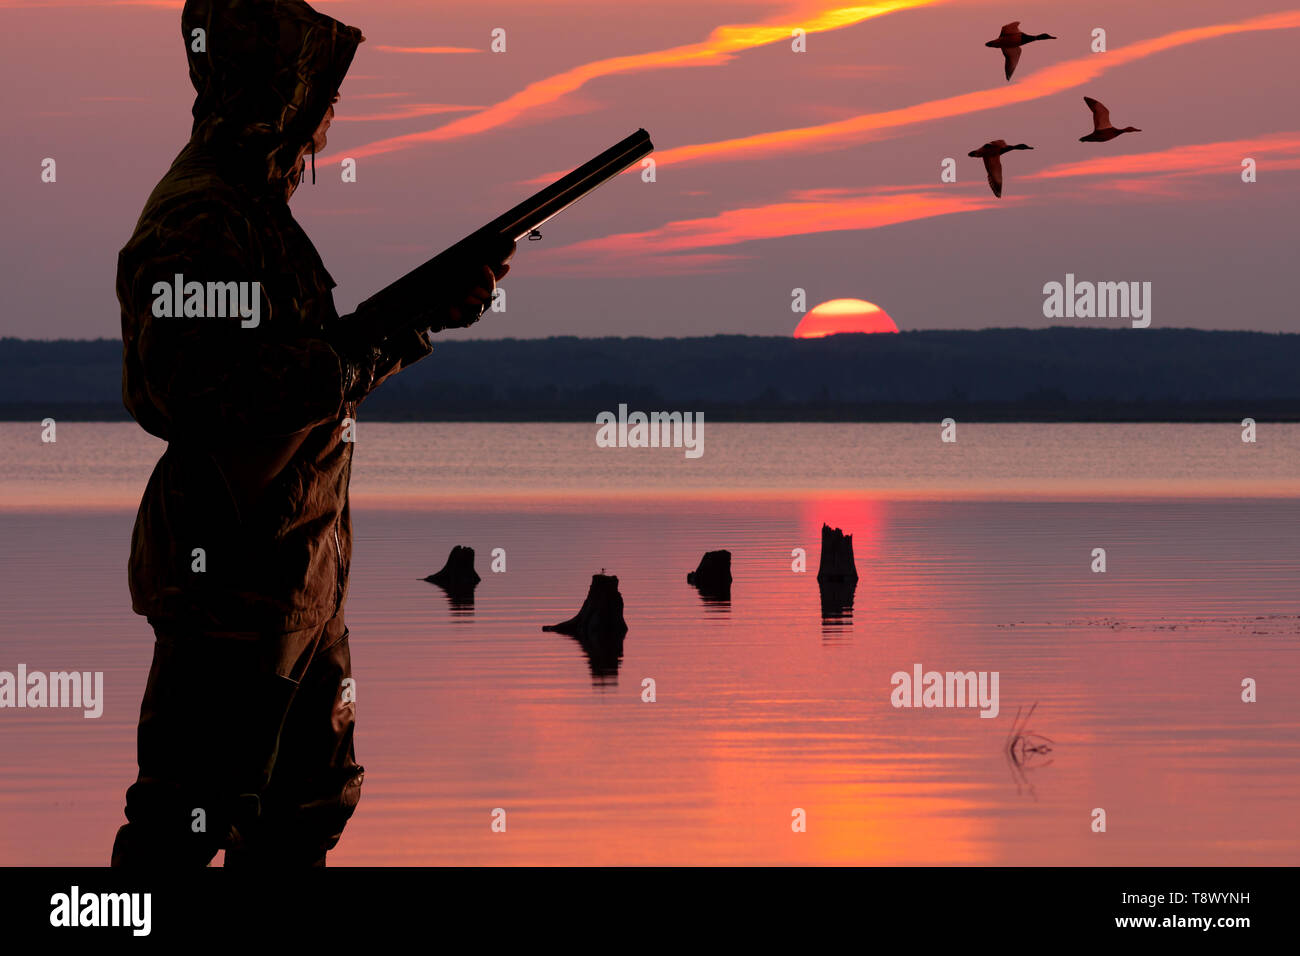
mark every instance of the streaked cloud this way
{"type": "Point", "coordinates": [1198, 159]}
{"type": "Point", "coordinates": [676, 248]}
{"type": "Point", "coordinates": [409, 111]}
{"type": "Point", "coordinates": [428, 49]}
{"type": "Point", "coordinates": [49, 4]}
{"type": "Point", "coordinates": [679, 247]}
{"type": "Point", "coordinates": [1164, 174]}
{"type": "Point", "coordinates": [720, 47]}
{"type": "Point", "coordinates": [1045, 82]}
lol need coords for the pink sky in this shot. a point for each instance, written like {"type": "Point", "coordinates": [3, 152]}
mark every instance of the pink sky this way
{"type": "Point", "coordinates": [777, 169]}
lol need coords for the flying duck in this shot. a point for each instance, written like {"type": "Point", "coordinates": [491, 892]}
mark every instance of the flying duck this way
{"type": "Point", "coordinates": [991, 153]}
{"type": "Point", "coordinates": [1010, 40]}
{"type": "Point", "coordinates": [1102, 131]}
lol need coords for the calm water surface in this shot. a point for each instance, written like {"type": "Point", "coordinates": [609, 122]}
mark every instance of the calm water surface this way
{"type": "Point", "coordinates": [973, 556]}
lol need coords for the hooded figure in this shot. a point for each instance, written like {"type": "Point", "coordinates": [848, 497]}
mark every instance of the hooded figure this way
{"type": "Point", "coordinates": [234, 355]}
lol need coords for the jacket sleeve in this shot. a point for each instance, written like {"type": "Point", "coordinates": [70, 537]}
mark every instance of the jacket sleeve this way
{"type": "Point", "coordinates": [399, 352]}
{"type": "Point", "coordinates": [225, 376]}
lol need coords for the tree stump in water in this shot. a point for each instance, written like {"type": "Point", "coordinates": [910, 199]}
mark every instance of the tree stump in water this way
{"type": "Point", "coordinates": [837, 574]}
{"type": "Point", "coordinates": [601, 616]}
{"type": "Point", "coordinates": [457, 575]}
{"type": "Point", "coordinates": [713, 576]}
{"type": "Point", "coordinates": [836, 565]}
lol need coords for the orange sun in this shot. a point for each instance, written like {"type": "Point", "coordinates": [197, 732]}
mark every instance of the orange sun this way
{"type": "Point", "coordinates": [844, 315]}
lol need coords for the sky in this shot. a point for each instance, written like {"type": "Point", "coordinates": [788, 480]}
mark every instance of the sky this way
{"type": "Point", "coordinates": [776, 170]}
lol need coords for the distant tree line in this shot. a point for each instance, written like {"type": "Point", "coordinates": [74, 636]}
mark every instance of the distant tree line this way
{"type": "Point", "coordinates": [1057, 374]}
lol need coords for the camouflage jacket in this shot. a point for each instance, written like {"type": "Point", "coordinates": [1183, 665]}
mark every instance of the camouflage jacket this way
{"type": "Point", "coordinates": [225, 392]}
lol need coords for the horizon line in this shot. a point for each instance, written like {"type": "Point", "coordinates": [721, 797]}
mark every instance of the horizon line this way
{"type": "Point", "coordinates": [759, 335]}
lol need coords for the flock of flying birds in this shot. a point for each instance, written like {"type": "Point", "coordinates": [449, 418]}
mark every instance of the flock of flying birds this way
{"type": "Point", "coordinates": [1009, 41]}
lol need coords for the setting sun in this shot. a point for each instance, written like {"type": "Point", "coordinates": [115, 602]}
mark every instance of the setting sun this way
{"type": "Point", "coordinates": [844, 315]}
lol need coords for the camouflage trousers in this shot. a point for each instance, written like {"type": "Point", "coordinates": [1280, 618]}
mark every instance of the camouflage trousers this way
{"type": "Point", "coordinates": [244, 744]}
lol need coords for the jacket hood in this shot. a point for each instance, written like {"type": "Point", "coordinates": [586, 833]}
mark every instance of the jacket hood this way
{"type": "Point", "coordinates": [265, 76]}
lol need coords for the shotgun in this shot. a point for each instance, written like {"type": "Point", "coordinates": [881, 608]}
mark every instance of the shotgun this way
{"type": "Point", "coordinates": [399, 306]}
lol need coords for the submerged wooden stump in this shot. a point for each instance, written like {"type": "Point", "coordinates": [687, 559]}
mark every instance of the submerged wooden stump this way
{"type": "Point", "coordinates": [598, 627]}
{"type": "Point", "coordinates": [836, 565]}
{"type": "Point", "coordinates": [458, 574]}
{"type": "Point", "coordinates": [837, 574]}
{"type": "Point", "coordinates": [713, 576]}
{"type": "Point", "coordinates": [601, 616]}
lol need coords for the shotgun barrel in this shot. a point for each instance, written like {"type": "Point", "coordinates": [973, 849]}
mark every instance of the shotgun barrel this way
{"type": "Point", "coordinates": [401, 305]}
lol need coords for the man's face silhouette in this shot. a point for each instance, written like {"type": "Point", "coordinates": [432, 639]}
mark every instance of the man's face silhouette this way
{"type": "Point", "coordinates": [317, 143]}
{"type": "Point", "coordinates": [318, 140]}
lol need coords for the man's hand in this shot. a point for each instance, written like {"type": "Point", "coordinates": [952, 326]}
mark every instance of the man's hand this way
{"type": "Point", "coordinates": [454, 296]}
{"type": "Point", "coordinates": [470, 293]}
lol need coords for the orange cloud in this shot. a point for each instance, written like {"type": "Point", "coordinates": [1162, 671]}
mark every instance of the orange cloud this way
{"type": "Point", "coordinates": [1199, 159]}
{"type": "Point", "coordinates": [721, 45]}
{"type": "Point", "coordinates": [1045, 82]}
{"type": "Point", "coordinates": [410, 111]}
{"type": "Point", "coordinates": [47, 4]}
{"type": "Point", "coordinates": [428, 49]}
{"type": "Point", "coordinates": [674, 247]}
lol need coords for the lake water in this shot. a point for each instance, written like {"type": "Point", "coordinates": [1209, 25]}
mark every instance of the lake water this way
{"type": "Point", "coordinates": [973, 556]}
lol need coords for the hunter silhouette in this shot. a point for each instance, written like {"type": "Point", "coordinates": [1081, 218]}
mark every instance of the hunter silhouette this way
{"type": "Point", "coordinates": [240, 552]}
